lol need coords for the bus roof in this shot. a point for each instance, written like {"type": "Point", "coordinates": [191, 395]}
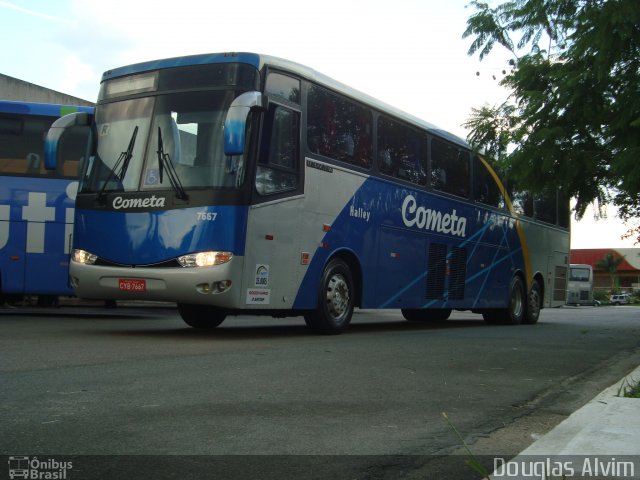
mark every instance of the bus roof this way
{"type": "Point", "coordinates": [260, 61]}
{"type": "Point", "coordinates": [42, 109]}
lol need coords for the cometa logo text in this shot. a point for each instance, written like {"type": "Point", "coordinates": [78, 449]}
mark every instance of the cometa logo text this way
{"type": "Point", "coordinates": [430, 219]}
{"type": "Point", "coordinates": [120, 203]}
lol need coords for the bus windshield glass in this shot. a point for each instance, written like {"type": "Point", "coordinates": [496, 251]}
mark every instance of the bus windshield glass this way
{"type": "Point", "coordinates": [191, 129]}
{"type": "Point", "coordinates": [579, 274]}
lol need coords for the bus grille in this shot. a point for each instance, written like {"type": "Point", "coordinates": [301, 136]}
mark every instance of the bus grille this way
{"type": "Point", "coordinates": [458, 273]}
{"type": "Point", "coordinates": [436, 272]}
{"type": "Point", "coordinates": [443, 264]}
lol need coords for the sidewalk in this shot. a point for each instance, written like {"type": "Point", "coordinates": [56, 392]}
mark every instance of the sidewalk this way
{"type": "Point", "coordinates": [600, 440]}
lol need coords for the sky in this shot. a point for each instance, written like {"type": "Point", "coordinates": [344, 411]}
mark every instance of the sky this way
{"type": "Point", "coordinates": [407, 53]}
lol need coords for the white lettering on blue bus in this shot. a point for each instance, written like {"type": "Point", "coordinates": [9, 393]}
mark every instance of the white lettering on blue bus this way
{"type": "Point", "coordinates": [120, 203]}
{"type": "Point", "coordinates": [37, 214]}
{"type": "Point", "coordinates": [431, 219]}
{"type": "Point", "coordinates": [359, 213]}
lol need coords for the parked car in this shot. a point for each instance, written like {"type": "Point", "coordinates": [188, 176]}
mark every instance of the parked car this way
{"type": "Point", "coordinates": [620, 299]}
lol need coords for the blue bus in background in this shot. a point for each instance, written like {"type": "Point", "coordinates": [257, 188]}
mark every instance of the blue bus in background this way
{"type": "Point", "coordinates": [241, 183]}
{"type": "Point", "coordinates": [36, 204]}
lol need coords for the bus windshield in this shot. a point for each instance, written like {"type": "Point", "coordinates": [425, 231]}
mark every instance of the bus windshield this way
{"type": "Point", "coordinates": [191, 128]}
{"type": "Point", "coordinates": [580, 274]}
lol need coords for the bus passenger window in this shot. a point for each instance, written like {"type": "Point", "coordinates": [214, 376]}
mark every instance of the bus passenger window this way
{"type": "Point", "coordinates": [339, 128]}
{"type": "Point", "coordinates": [22, 145]}
{"type": "Point", "coordinates": [485, 189]}
{"type": "Point", "coordinates": [283, 86]}
{"type": "Point", "coordinates": [72, 148]}
{"type": "Point", "coordinates": [544, 206]}
{"type": "Point", "coordinates": [401, 152]}
{"type": "Point", "coordinates": [449, 168]}
{"type": "Point", "coordinates": [522, 201]}
{"type": "Point", "coordinates": [278, 168]}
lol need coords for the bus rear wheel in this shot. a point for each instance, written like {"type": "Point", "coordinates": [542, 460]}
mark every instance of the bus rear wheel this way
{"type": "Point", "coordinates": [336, 300]}
{"type": "Point", "coordinates": [534, 304]}
{"type": "Point", "coordinates": [515, 311]}
{"type": "Point", "coordinates": [426, 314]}
{"type": "Point", "coordinates": [201, 316]}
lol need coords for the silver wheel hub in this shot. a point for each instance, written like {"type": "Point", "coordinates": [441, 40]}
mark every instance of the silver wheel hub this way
{"type": "Point", "coordinates": [516, 302]}
{"type": "Point", "coordinates": [338, 296]}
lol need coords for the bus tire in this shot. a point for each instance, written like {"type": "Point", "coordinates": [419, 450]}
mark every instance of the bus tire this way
{"type": "Point", "coordinates": [515, 311]}
{"type": "Point", "coordinates": [201, 316]}
{"type": "Point", "coordinates": [426, 314]}
{"type": "Point", "coordinates": [336, 300]}
{"type": "Point", "coordinates": [534, 304]}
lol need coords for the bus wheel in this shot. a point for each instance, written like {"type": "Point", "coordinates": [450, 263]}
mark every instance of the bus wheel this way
{"type": "Point", "coordinates": [534, 302]}
{"type": "Point", "coordinates": [515, 312]}
{"type": "Point", "coordinates": [336, 300]}
{"type": "Point", "coordinates": [201, 316]}
{"type": "Point", "coordinates": [426, 314]}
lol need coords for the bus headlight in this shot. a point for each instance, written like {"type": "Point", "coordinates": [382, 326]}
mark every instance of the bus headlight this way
{"type": "Point", "coordinates": [205, 259]}
{"type": "Point", "coordinates": [82, 256]}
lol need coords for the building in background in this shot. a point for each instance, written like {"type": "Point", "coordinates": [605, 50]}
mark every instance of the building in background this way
{"type": "Point", "coordinates": [626, 278]}
{"type": "Point", "coordinates": [18, 90]}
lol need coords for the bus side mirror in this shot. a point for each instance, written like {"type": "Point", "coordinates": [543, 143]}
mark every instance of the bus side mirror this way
{"type": "Point", "coordinates": [235, 125]}
{"type": "Point", "coordinates": [57, 131]}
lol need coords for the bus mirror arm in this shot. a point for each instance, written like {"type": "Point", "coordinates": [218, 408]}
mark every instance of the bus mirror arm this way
{"type": "Point", "coordinates": [235, 124]}
{"type": "Point", "coordinates": [56, 132]}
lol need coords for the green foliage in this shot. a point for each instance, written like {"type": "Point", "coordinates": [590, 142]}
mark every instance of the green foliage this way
{"type": "Point", "coordinates": [601, 296]}
{"type": "Point", "coordinates": [610, 263]}
{"type": "Point", "coordinates": [573, 120]}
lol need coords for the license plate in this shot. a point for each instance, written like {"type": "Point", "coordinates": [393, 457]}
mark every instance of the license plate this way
{"type": "Point", "coordinates": [132, 285]}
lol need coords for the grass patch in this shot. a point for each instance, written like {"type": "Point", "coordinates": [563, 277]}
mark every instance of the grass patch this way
{"type": "Point", "coordinates": [472, 461]}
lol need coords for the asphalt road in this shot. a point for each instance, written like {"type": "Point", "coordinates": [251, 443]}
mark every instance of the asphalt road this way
{"type": "Point", "coordinates": [133, 390]}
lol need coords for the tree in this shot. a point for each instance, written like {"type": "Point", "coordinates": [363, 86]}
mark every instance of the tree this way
{"type": "Point", "coordinates": [610, 263]}
{"type": "Point", "coordinates": [573, 119]}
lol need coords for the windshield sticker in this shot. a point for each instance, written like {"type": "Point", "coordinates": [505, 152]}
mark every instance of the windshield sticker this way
{"type": "Point", "coordinates": [152, 176]}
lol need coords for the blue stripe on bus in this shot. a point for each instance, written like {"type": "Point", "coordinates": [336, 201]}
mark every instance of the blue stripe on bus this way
{"type": "Point", "coordinates": [423, 276]}
{"type": "Point", "coordinates": [489, 236]}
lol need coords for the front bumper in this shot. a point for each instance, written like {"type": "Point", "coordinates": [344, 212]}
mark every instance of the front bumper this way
{"type": "Point", "coordinates": [198, 285]}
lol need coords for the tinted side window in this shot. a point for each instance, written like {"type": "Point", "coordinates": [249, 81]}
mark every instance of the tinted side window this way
{"type": "Point", "coordinates": [449, 168]}
{"type": "Point", "coordinates": [401, 151]}
{"type": "Point", "coordinates": [284, 87]}
{"type": "Point", "coordinates": [544, 207]}
{"type": "Point", "coordinates": [522, 201]}
{"type": "Point", "coordinates": [339, 128]}
{"type": "Point", "coordinates": [22, 144]}
{"type": "Point", "coordinates": [278, 169]}
{"type": "Point", "coordinates": [485, 189]}
{"type": "Point", "coordinates": [72, 149]}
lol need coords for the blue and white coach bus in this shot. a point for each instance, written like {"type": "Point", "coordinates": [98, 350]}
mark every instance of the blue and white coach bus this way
{"type": "Point", "coordinates": [36, 205]}
{"type": "Point", "coordinates": [242, 183]}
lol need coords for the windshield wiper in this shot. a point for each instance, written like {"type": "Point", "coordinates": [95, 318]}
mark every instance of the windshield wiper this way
{"type": "Point", "coordinates": [164, 162]}
{"type": "Point", "coordinates": [122, 162]}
